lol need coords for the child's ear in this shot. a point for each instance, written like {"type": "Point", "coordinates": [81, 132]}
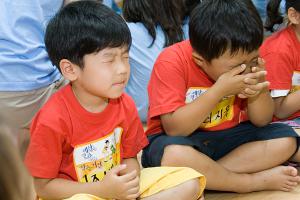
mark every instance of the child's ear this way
{"type": "Point", "coordinates": [294, 16]}
{"type": "Point", "coordinates": [198, 59]}
{"type": "Point", "coordinates": [68, 69]}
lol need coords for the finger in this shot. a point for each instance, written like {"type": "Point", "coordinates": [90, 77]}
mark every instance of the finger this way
{"type": "Point", "coordinates": [261, 62]}
{"type": "Point", "coordinates": [242, 96]}
{"type": "Point", "coordinates": [237, 70]}
{"type": "Point", "coordinates": [260, 86]}
{"type": "Point", "coordinates": [253, 90]}
{"type": "Point", "coordinates": [134, 190]}
{"type": "Point", "coordinates": [129, 176]}
{"type": "Point", "coordinates": [248, 92]}
{"type": "Point", "coordinates": [116, 170]}
{"type": "Point", "coordinates": [261, 65]}
{"type": "Point", "coordinates": [256, 75]}
{"type": "Point", "coordinates": [133, 196]}
{"type": "Point", "coordinates": [250, 81]}
{"type": "Point", "coordinates": [133, 183]}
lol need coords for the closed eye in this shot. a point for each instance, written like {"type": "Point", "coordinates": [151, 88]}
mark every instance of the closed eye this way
{"type": "Point", "coordinates": [108, 61]}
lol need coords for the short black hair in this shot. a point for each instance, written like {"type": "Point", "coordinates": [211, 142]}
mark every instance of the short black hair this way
{"type": "Point", "coordinates": [84, 27]}
{"type": "Point", "coordinates": [220, 25]}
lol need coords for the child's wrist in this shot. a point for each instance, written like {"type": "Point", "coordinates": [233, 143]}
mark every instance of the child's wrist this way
{"type": "Point", "coordinates": [217, 91]}
{"type": "Point", "coordinates": [101, 189]}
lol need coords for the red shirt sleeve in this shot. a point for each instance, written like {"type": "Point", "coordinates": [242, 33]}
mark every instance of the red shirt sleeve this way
{"type": "Point", "coordinates": [44, 154]}
{"type": "Point", "coordinates": [134, 139]}
{"type": "Point", "coordinates": [167, 85]}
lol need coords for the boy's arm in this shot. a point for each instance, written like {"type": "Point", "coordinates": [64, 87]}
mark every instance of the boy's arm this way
{"type": "Point", "coordinates": [261, 108]}
{"type": "Point", "coordinates": [186, 119]}
{"type": "Point", "coordinates": [286, 106]}
{"type": "Point", "coordinates": [61, 188]}
{"type": "Point", "coordinates": [58, 188]}
{"type": "Point", "coordinates": [132, 165]}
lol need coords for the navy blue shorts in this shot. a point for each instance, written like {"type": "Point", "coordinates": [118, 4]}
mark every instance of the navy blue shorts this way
{"type": "Point", "coordinates": [214, 144]}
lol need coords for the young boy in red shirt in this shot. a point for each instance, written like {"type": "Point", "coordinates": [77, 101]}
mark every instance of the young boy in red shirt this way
{"type": "Point", "coordinates": [210, 106]}
{"type": "Point", "coordinates": [89, 131]}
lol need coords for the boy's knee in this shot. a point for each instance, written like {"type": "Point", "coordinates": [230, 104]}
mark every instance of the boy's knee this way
{"type": "Point", "coordinates": [288, 144]}
{"type": "Point", "coordinates": [174, 155]}
{"type": "Point", "coordinates": [192, 188]}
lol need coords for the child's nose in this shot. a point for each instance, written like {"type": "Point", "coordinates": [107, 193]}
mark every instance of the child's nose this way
{"type": "Point", "coordinates": [122, 68]}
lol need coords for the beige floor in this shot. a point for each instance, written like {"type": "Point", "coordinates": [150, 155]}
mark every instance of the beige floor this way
{"type": "Point", "coordinates": [266, 195]}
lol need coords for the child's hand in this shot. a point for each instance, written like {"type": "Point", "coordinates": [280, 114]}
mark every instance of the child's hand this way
{"type": "Point", "coordinates": [232, 82]}
{"type": "Point", "coordinates": [121, 187]}
{"type": "Point", "coordinates": [255, 81]}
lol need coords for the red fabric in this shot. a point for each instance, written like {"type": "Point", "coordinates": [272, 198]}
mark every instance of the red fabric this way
{"type": "Point", "coordinates": [63, 124]}
{"type": "Point", "coordinates": [174, 73]}
{"type": "Point", "coordinates": [281, 52]}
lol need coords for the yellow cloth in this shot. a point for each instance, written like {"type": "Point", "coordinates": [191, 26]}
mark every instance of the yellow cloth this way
{"type": "Point", "coordinates": [156, 179]}
{"type": "Point", "coordinates": [84, 197]}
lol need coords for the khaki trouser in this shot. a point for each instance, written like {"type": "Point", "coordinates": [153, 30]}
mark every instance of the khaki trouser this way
{"type": "Point", "coordinates": [18, 108]}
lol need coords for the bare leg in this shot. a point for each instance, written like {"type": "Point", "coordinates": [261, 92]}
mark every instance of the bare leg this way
{"type": "Point", "coordinates": [296, 157]}
{"type": "Point", "coordinates": [188, 190]}
{"type": "Point", "coordinates": [257, 156]}
{"type": "Point", "coordinates": [221, 179]}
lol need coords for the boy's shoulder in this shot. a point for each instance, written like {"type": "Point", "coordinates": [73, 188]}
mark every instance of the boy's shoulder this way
{"type": "Point", "coordinates": [181, 51]}
{"type": "Point", "coordinates": [279, 42]}
{"type": "Point", "coordinates": [55, 108]}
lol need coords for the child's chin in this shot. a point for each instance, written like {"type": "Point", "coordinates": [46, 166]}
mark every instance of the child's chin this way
{"type": "Point", "coordinates": [116, 95]}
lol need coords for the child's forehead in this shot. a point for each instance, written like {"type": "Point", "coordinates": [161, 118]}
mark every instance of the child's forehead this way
{"type": "Point", "coordinates": [240, 55]}
{"type": "Point", "coordinates": [113, 50]}
{"type": "Point", "coordinates": [231, 60]}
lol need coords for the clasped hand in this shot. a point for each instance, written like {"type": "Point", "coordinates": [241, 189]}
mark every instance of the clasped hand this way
{"type": "Point", "coordinates": [244, 81]}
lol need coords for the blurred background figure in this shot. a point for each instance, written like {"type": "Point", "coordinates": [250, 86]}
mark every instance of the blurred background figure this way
{"type": "Point", "coordinates": [116, 5]}
{"type": "Point", "coordinates": [15, 183]}
{"type": "Point", "coordinates": [261, 6]}
{"type": "Point", "coordinates": [154, 25]}
{"type": "Point", "coordinates": [27, 77]}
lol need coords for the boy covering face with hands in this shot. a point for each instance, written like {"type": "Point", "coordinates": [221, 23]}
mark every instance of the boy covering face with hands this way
{"type": "Point", "coordinates": [210, 106]}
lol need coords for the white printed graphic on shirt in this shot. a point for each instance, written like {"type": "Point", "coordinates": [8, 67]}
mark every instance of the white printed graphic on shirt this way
{"type": "Point", "coordinates": [92, 160]}
{"type": "Point", "coordinates": [221, 113]}
{"type": "Point", "coordinates": [295, 82]}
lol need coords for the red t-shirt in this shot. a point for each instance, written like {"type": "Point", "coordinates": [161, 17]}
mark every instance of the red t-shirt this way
{"type": "Point", "coordinates": [281, 52]}
{"type": "Point", "coordinates": [69, 142]}
{"type": "Point", "coordinates": [176, 80]}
